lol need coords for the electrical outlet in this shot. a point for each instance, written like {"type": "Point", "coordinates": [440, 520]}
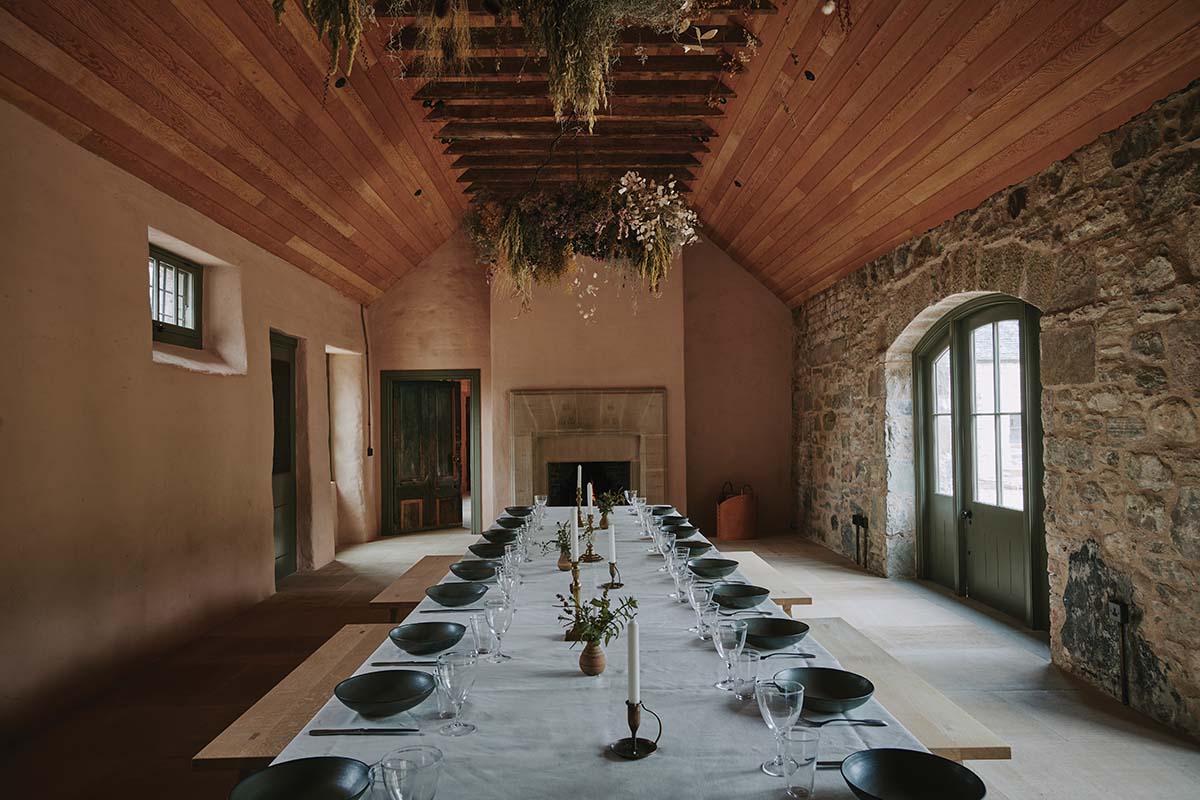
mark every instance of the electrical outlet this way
{"type": "Point", "coordinates": [1118, 611]}
{"type": "Point", "coordinates": [859, 520]}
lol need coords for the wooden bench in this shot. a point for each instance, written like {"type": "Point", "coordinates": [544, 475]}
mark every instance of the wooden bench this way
{"type": "Point", "coordinates": [760, 573]}
{"type": "Point", "coordinates": [259, 735]}
{"type": "Point", "coordinates": [409, 588]}
{"type": "Point", "coordinates": [936, 721]}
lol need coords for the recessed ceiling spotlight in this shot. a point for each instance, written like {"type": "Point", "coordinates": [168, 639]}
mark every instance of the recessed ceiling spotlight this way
{"type": "Point", "coordinates": [808, 74]}
{"type": "Point", "coordinates": [737, 183]}
{"type": "Point", "coordinates": [829, 7]}
{"type": "Point", "coordinates": [417, 193]}
{"type": "Point", "coordinates": [340, 82]}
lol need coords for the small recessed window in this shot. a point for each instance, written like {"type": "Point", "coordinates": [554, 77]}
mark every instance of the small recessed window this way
{"type": "Point", "coordinates": [176, 287]}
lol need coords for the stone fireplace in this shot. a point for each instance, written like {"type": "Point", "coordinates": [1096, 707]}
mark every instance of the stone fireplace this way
{"type": "Point", "coordinates": [589, 426]}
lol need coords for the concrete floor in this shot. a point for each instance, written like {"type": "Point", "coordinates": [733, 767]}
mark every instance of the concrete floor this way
{"type": "Point", "coordinates": [1068, 740]}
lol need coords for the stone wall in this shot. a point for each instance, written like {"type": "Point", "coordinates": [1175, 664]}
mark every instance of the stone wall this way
{"type": "Point", "coordinates": [1106, 243]}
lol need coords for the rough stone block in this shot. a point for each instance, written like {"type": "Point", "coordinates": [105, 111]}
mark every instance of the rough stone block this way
{"type": "Point", "coordinates": [1069, 355]}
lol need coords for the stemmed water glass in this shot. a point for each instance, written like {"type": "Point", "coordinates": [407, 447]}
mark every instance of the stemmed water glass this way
{"type": "Point", "coordinates": [681, 575]}
{"type": "Point", "coordinates": [729, 637]}
{"type": "Point", "coordinates": [508, 581]}
{"type": "Point", "coordinates": [700, 594]}
{"type": "Point", "coordinates": [457, 670]}
{"type": "Point", "coordinates": [779, 702]}
{"type": "Point", "coordinates": [499, 615]}
{"type": "Point", "coordinates": [411, 773]}
{"type": "Point", "coordinates": [539, 508]}
{"type": "Point", "coordinates": [666, 547]}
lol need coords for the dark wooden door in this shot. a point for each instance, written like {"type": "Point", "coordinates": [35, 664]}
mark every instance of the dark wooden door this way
{"type": "Point", "coordinates": [283, 461]}
{"type": "Point", "coordinates": [425, 456]}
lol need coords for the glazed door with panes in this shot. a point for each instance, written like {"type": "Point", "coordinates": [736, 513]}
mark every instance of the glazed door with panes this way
{"type": "Point", "coordinates": [993, 504]}
{"type": "Point", "coordinates": [426, 463]}
{"type": "Point", "coordinates": [980, 485]}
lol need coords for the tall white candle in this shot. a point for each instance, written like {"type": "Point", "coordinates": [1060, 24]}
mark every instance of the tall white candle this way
{"type": "Point", "coordinates": [579, 477]}
{"type": "Point", "coordinates": [612, 543]}
{"type": "Point", "coordinates": [591, 500]}
{"type": "Point", "coordinates": [635, 676]}
{"type": "Point", "coordinates": [574, 538]}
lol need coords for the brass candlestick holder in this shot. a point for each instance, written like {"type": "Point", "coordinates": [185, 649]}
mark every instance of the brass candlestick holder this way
{"type": "Point", "coordinates": [590, 555]}
{"type": "Point", "coordinates": [572, 635]}
{"type": "Point", "coordinates": [614, 577]}
{"type": "Point", "coordinates": [579, 504]}
{"type": "Point", "coordinates": [632, 747]}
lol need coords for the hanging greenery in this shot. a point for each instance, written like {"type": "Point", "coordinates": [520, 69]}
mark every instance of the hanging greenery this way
{"type": "Point", "coordinates": [634, 227]}
{"type": "Point", "coordinates": [445, 38]}
{"type": "Point", "coordinates": [339, 21]}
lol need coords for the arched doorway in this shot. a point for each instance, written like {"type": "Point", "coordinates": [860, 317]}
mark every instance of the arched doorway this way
{"type": "Point", "coordinates": [978, 456]}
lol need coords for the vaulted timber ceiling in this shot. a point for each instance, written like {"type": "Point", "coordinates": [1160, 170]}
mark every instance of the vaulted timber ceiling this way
{"type": "Point", "coordinates": [830, 149]}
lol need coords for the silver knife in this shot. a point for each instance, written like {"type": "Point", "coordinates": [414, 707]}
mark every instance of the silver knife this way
{"type": "Point", "coordinates": [364, 732]}
{"type": "Point", "coordinates": [447, 610]}
{"type": "Point", "coordinates": [403, 663]}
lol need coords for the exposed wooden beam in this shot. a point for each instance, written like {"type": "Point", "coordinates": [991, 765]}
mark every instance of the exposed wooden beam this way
{"type": "Point", "coordinates": [508, 190]}
{"type": "Point", "coordinates": [513, 38]}
{"type": "Point", "coordinates": [566, 158]}
{"type": "Point", "coordinates": [551, 130]}
{"type": "Point", "coordinates": [525, 174]}
{"type": "Point", "coordinates": [618, 109]}
{"type": "Point", "coordinates": [503, 67]}
{"type": "Point", "coordinates": [386, 9]}
{"type": "Point", "coordinates": [515, 90]}
{"type": "Point", "coordinates": [584, 144]}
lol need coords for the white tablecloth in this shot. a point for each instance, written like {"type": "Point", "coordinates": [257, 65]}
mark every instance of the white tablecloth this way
{"type": "Point", "coordinates": [544, 727]}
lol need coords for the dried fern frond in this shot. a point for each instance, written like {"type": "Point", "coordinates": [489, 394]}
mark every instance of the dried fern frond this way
{"type": "Point", "coordinates": [445, 38]}
{"type": "Point", "coordinates": [341, 22]}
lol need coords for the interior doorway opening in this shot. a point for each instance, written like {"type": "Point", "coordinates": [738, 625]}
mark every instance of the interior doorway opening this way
{"type": "Point", "coordinates": [430, 450]}
{"type": "Point", "coordinates": [976, 400]}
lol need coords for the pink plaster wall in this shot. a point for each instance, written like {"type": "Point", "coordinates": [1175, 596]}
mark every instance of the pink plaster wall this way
{"type": "Point", "coordinates": [551, 347]}
{"type": "Point", "coordinates": [737, 361]}
{"type": "Point", "coordinates": [435, 317]}
{"type": "Point", "coordinates": [135, 497]}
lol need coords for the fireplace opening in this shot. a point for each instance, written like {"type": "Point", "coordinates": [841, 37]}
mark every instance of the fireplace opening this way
{"type": "Point", "coordinates": [603, 475]}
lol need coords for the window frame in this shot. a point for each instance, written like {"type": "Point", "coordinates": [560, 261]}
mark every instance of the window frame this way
{"type": "Point", "coordinates": [169, 333]}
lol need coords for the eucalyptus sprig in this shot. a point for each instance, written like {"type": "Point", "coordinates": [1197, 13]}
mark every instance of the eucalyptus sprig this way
{"type": "Point", "coordinates": [561, 540]}
{"type": "Point", "coordinates": [596, 621]}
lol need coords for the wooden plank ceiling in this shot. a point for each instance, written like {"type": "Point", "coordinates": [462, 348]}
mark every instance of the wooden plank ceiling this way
{"type": "Point", "coordinates": [831, 148]}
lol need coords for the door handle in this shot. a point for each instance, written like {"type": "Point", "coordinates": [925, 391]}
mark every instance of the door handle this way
{"type": "Point", "coordinates": [967, 514]}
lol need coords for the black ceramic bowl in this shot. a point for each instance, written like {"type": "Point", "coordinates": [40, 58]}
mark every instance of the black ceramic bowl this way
{"type": "Point", "coordinates": [891, 774]}
{"type": "Point", "coordinates": [828, 690]}
{"type": "Point", "coordinates": [682, 531]}
{"type": "Point", "coordinates": [511, 523]}
{"type": "Point", "coordinates": [667, 520]}
{"type": "Point", "coordinates": [453, 595]}
{"type": "Point", "coordinates": [712, 567]}
{"type": "Point", "coordinates": [500, 535]}
{"type": "Point", "coordinates": [426, 638]}
{"type": "Point", "coordinates": [694, 546]}
{"type": "Point", "coordinates": [474, 570]}
{"type": "Point", "coordinates": [660, 511]}
{"type": "Point", "coordinates": [386, 692]}
{"type": "Point", "coordinates": [518, 511]}
{"type": "Point", "coordinates": [739, 595]}
{"type": "Point", "coordinates": [487, 549]}
{"type": "Point", "coordinates": [774, 633]}
{"type": "Point", "coordinates": [331, 777]}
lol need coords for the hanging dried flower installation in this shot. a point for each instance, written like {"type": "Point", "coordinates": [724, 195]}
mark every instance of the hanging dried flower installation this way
{"type": "Point", "coordinates": [634, 228]}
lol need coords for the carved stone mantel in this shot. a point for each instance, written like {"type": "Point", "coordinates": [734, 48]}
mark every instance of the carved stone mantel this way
{"type": "Point", "coordinates": [589, 425]}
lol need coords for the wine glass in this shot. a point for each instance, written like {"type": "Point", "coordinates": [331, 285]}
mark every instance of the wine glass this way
{"type": "Point", "coordinates": [666, 545]}
{"type": "Point", "coordinates": [682, 577]}
{"type": "Point", "coordinates": [729, 638]}
{"type": "Point", "coordinates": [508, 582]}
{"type": "Point", "coordinates": [457, 671]}
{"type": "Point", "coordinates": [499, 615]}
{"type": "Point", "coordinates": [411, 773]}
{"type": "Point", "coordinates": [779, 702]}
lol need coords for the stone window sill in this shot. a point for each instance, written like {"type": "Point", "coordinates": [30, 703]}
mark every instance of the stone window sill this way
{"type": "Point", "coordinates": [202, 361]}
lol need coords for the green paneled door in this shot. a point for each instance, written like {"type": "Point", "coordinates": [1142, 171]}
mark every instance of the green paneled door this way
{"type": "Point", "coordinates": [980, 467]}
{"type": "Point", "coordinates": [283, 461]}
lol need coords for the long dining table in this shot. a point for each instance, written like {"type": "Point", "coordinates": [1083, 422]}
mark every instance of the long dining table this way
{"type": "Point", "coordinates": [543, 727]}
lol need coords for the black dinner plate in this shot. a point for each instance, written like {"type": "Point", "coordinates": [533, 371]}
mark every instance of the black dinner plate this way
{"type": "Point", "coordinates": [739, 595]}
{"type": "Point", "coordinates": [667, 520]}
{"type": "Point", "coordinates": [386, 692]}
{"type": "Point", "coordinates": [512, 523]}
{"type": "Point", "coordinates": [318, 778]}
{"type": "Point", "coordinates": [487, 549]}
{"type": "Point", "coordinates": [712, 567]}
{"type": "Point", "coordinates": [474, 570]}
{"type": "Point", "coordinates": [829, 690]}
{"type": "Point", "coordinates": [426, 638]}
{"type": "Point", "coordinates": [774, 633]}
{"type": "Point", "coordinates": [659, 511]}
{"type": "Point", "coordinates": [518, 511]}
{"type": "Point", "coordinates": [894, 774]}
{"type": "Point", "coordinates": [500, 535]}
{"type": "Point", "coordinates": [453, 595]}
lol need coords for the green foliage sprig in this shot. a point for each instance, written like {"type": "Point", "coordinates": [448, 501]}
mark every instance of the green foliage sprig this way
{"type": "Point", "coordinates": [561, 540]}
{"type": "Point", "coordinates": [607, 501]}
{"type": "Point", "coordinates": [597, 621]}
